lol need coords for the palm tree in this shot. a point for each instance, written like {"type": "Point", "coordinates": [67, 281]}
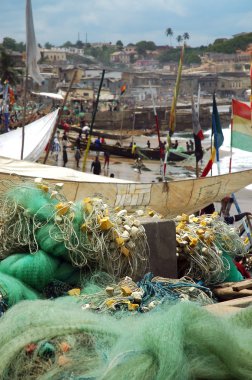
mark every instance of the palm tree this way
{"type": "Point", "coordinates": [7, 69]}
{"type": "Point", "coordinates": [169, 32]}
{"type": "Point", "coordinates": [186, 36]}
{"type": "Point", "coordinates": [179, 38]}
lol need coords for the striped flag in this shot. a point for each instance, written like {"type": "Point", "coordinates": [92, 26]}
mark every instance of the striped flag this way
{"type": "Point", "coordinates": [241, 136]}
{"type": "Point", "coordinates": [32, 51]}
{"type": "Point", "coordinates": [209, 165]}
{"type": "Point", "coordinates": [172, 120]}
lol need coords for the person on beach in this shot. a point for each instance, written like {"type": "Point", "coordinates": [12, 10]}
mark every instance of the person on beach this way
{"type": "Point", "coordinates": [64, 139]}
{"type": "Point", "coordinates": [148, 144]}
{"type": "Point", "coordinates": [78, 142]}
{"type": "Point", "coordinates": [191, 145]}
{"type": "Point", "coordinates": [55, 148]}
{"type": "Point", "coordinates": [139, 164]}
{"type": "Point", "coordinates": [65, 158]}
{"type": "Point", "coordinates": [134, 148]}
{"type": "Point", "coordinates": [210, 209]}
{"type": "Point", "coordinates": [96, 166]}
{"type": "Point", "coordinates": [106, 159]}
{"type": "Point", "coordinates": [77, 157]}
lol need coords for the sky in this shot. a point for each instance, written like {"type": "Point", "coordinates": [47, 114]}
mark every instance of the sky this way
{"type": "Point", "coordinates": [131, 21]}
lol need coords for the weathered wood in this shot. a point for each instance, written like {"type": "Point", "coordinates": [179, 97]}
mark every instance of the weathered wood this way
{"type": "Point", "coordinates": [246, 284]}
{"type": "Point", "coordinates": [228, 293]}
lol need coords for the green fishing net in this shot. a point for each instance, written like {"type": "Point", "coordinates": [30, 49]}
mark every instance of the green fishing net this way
{"type": "Point", "coordinates": [51, 240]}
{"type": "Point", "coordinates": [54, 341]}
{"type": "Point", "coordinates": [88, 233]}
{"type": "Point", "coordinates": [14, 291]}
{"type": "Point", "coordinates": [39, 269]}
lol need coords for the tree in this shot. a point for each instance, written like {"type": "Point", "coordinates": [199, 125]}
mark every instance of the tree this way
{"type": "Point", "coordinates": [119, 45]}
{"type": "Point", "coordinates": [79, 44]}
{"type": "Point", "coordinates": [7, 70]}
{"type": "Point", "coordinates": [179, 39]}
{"type": "Point", "coordinates": [169, 33]}
{"type": "Point", "coordinates": [9, 43]}
{"type": "Point", "coordinates": [186, 36]}
{"type": "Point", "coordinates": [142, 46]}
{"type": "Point", "coordinates": [67, 44]}
{"type": "Point", "coordinates": [48, 45]}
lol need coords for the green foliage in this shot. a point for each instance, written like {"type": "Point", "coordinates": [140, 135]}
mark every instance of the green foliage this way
{"type": "Point", "coordinates": [143, 46]}
{"type": "Point", "coordinates": [230, 46]}
{"type": "Point", "coordinates": [191, 56]}
{"type": "Point", "coordinates": [11, 44]}
{"type": "Point", "coordinates": [7, 70]}
{"type": "Point", "coordinates": [48, 45]}
{"type": "Point", "coordinates": [102, 54]}
{"type": "Point", "coordinates": [119, 44]}
{"type": "Point", "coordinates": [67, 44]}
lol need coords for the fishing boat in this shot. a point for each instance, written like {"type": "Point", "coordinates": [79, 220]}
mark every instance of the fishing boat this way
{"type": "Point", "coordinates": [126, 151]}
{"type": "Point", "coordinates": [167, 198]}
{"type": "Point", "coordinates": [37, 136]}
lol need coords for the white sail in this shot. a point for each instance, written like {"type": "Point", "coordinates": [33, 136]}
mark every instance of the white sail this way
{"type": "Point", "coordinates": [32, 51]}
{"type": "Point", "coordinates": [37, 136]}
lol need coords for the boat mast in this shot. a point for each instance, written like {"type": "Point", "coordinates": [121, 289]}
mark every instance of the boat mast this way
{"type": "Point", "coordinates": [92, 122]}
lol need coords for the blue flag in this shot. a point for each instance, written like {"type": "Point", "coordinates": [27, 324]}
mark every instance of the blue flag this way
{"type": "Point", "coordinates": [216, 126]}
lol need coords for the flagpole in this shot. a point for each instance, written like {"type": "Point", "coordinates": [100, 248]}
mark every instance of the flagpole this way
{"type": "Point", "coordinates": [172, 120]}
{"type": "Point", "coordinates": [59, 116]}
{"type": "Point", "coordinates": [24, 110]}
{"type": "Point", "coordinates": [157, 126]}
{"type": "Point", "coordinates": [231, 137]}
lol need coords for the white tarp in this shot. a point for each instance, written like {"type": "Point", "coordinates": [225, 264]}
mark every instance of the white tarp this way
{"type": "Point", "coordinates": [49, 95]}
{"type": "Point", "coordinates": [37, 135]}
{"type": "Point", "coordinates": [57, 173]}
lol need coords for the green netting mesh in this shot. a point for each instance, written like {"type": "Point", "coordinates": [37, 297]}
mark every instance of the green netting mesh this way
{"type": "Point", "coordinates": [67, 273]}
{"type": "Point", "coordinates": [39, 269]}
{"type": "Point", "coordinates": [33, 200]}
{"type": "Point", "coordinates": [51, 240]}
{"type": "Point", "coordinates": [52, 340]}
{"type": "Point", "coordinates": [35, 270]}
{"type": "Point", "coordinates": [14, 290]}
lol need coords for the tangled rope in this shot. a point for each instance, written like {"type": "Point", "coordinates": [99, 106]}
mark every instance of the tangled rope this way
{"type": "Point", "coordinates": [202, 241]}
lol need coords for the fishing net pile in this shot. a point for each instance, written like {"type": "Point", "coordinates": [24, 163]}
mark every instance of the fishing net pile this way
{"type": "Point", "coordinates": [147, 294]}
{"type": "Point", "coordinates": [52, 340]}
{"type": "Point", "coordinates": [208, 246]}
{"type": "Point", "coordinates": [49, 244]}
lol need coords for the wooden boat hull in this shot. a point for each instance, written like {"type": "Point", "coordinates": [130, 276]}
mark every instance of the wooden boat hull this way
{"type": "Point", "coordinates": [150, 154]}
{"type": "Point", "coordinates": [167, 198]}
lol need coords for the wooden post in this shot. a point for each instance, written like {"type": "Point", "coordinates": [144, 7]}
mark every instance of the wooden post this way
{"type": "Point", "coordinates": [24, 112]}
{"type": "Point", "coordinates": [59, 116]}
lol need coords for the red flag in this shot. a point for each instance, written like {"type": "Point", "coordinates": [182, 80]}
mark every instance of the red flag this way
{"type": "Point", "coordinates": [123, 89]}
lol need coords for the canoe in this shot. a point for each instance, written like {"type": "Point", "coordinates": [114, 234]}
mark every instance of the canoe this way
{"type": "Point", "coordinates": [167, 198]}
{"type": "Point", "coordinates": [146, 153]}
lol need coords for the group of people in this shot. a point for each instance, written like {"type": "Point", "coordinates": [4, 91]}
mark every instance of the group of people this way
{"type": "Point", "coordinates": [190, 146]}
{"type": "Point", "coordinates": [226, 204]}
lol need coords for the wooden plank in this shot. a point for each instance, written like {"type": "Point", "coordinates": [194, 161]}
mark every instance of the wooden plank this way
{"type": "Point", "coordinates": [229, 293]}
{"type": "Point", "coordinates": [247, 284]}
{"type": "Point", "coordinates": [239, 302]}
